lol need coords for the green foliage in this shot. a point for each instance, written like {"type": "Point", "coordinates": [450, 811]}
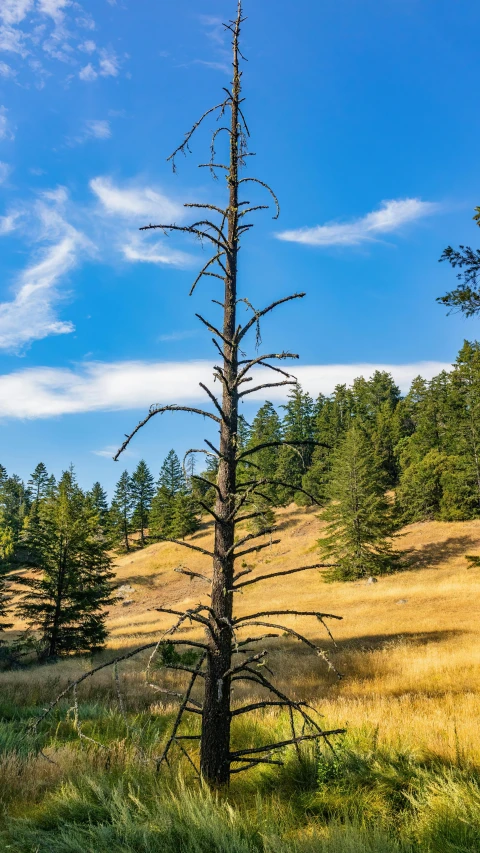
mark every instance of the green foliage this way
{"type": "Point", "coordinates": [67, 585]}
{"type": "Point", "coordinates": [174, 512]}
{"type": "Point", "coordinates": [298, 425]}
{"type": "Point", "coordinates": [360, 518]}
{"type": "Point", "coordinates": [143, 490]}
{"type": "Point", "coordinates": [99, 501]}
{"type": "Point", "coordinates": [120, 515]}
{"type": "Point", "coordinates": [465, 297]}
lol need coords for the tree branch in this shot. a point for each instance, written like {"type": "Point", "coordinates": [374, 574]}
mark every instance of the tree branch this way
{"type": "Point", "coordinates": [263, 184]}
{"type": "Point", "coordinates": [181, 148]}
{"type": "Point", "coordinates": [259, 615]}
{"type": "Point", "coordinates": [271, 746]}
{"type": "Point", "coordinates": [266, 310]}
{"type": "Point", "coordinates": [286, 572]}
{"type": "Point", "coordinates": [257, 548]}
{"type": "Point", "coordinates": [178, 720]}
{"type": "Point", "coordinates": [268, 385]}
{"type": "Point", "coordinates": [159, 410]}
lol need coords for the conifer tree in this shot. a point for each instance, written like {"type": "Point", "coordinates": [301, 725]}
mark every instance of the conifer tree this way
{"type": "Point", "coordinates": [120, 514]}
{"type": "Point", "coordinates": [359, 518]}
{"type": "Point", "coordinates": [38, 484]}
{"type": "Point", "coordinates": [420, 491]}
{"type": "Point", "coordinates": [171, 482]}
{"type": "Point", "coordinates": [184, 516]}
{"type": "Point", "coordinates": [6, 552]}
{"type": "Point", "coordinates": [14, 508]}
{"type": "Point", "coordinates": [67, 586]}
{"type": "Point", "coordinates": [143, 490]}
{"type": "Point", "coordinates": [99, 500]}
{"type": "Point", "coordinates": [298, 427]}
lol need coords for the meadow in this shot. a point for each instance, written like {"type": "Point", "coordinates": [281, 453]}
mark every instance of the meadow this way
{"type": "Point", "coordinates": [405, 777]}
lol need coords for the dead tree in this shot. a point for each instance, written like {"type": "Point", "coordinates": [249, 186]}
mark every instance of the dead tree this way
{"type": "Point", "coordinates": [224, 658]}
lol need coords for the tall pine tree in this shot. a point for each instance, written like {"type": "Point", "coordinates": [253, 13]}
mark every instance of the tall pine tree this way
{"type": "Point", "coordinates": [120, 514]}
{"type": "Point", "coordinates": [359, 517]}
{"type": "Point", "coordinates": [143, 490]}
{"type": "Point", "coordinates": [298, 425]}
{"type": "Point", "coordinates": [68, 578]}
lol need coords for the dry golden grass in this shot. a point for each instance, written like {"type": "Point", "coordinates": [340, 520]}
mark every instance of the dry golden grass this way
{"type": "Point", "coordinates": [408, 646]}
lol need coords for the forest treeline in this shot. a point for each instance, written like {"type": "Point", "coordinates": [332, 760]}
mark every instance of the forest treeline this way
{"type": "Point", "coordinates": [374, 460]}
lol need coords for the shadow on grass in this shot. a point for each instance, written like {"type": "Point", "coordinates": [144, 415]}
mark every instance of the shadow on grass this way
{"type": "Point", "coordinates": [434, 554]}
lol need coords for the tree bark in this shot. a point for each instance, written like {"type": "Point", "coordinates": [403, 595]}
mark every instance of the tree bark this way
{"type": "Point", "coordinates": [216, 720]}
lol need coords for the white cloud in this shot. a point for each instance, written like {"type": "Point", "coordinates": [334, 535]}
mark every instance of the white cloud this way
{"type": "Point", "coordinates": [13, 41]}
{"type": "Point", "coordinates": [110, 451]}
{"type": "Point", "coordinates": [389, 218]}
{"type": "Point", "coordinates": [31, 314]}
{"type": "Point", "coordinates": [86, 22]}
{"type": "Point", "coordinates": [109, 63]}
{"type": "Point", "coordinates": [8, 223]}
{"type": "Point", "coordinates": [6, 131]}
{"type": "Point", "coordinates": [88, 73]}
{"type": "Point", "coordinates": [88, 46]}
{"type": "Point", "coordinates": [98, 129]}
{"type": "Point", "coordinates": [216, 66]}
{"type": "Point", "coordinates": [14, 11]}
{"type": "Point", "coordinates": [92, 129]}
{"type": "Point", "coordinates": [42, 392]}
{"type": "Point", "coordinates": [138, 249]}
{"type": "Point", "coordinates": [135, 202]}
{"type": "Point", "coordinates": [54, 9]}
{"type": "Point", "coordinates": [6, 71]}
{"type": "Point", "coordinates": [5, 170]}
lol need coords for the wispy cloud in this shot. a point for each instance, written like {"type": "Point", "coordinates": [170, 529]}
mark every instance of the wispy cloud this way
{"type": "Point", "coordinates": [109, 63]}
{"type": "Point", "coordinates": [14, 11]}
{"type": "Point", "coordinates": [6, 131]}
{"type": "Point", "coordinates": [110, 451]}
{"type": "Point", "coordinates": [216, 66]}
{"type": "Point", "coordinates": [6, 71]}
{"type": "Point", "coordinates": [8, 223]}
{"type": "Point", "coordinates": [88, 73]}
{"type": "Point", "coordinates": [388, 219]}
{"type": "Point", "coordinates": [177, 336]}
{"type": "Point", "coordinates": [140, 250]}
{"type": "Point", "coordinates": [32, 313]}
{"type": "Point", "coordinates": [122, 206]}
{"type": "Point", "coordinates": [53, 30]}
{"type": "Point", "coordinates": [88, 46]}
{"type": "Point", "coordinates": [92, 129]}
{"type": "Point", "coordinates": [43, 392]}
{"type": "Point", "coordinates": [140, 202]}
{"type": "Point", "coordinates": [5, 170]}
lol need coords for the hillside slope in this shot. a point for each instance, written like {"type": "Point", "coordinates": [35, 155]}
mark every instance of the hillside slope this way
{"type": "Point", "coordinates": [408, 646]}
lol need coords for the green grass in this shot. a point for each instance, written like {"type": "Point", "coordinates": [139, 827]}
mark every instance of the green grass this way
{"type": "Point", "coordinates": [365, 798]}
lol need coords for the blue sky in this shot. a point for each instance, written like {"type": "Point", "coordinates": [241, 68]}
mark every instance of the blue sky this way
{"type": "Point", "coordinates": [363, 120]}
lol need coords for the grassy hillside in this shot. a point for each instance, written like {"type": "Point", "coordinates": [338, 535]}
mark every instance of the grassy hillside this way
{"type": "Point", "coordinates": [408, 648]}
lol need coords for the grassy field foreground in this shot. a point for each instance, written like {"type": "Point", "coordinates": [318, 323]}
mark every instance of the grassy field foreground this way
{"type": "Point", "coordinates": [406, 777]}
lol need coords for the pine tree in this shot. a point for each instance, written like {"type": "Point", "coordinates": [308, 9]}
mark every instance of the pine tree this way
{"type": "Point", "coordinates": [184, 517]}
{"type": "Point", "coordinates": [67, 586]}
{"type": "Point", "coordinates": [14, 508]}
{"type": "Point", "coordinates": [143, 490]}
{"type": "Point", "coordinates": [120, 514]}
{"type": "Point", "coordinates": [298, 425]}
{"type": "Point", "coordinates": [360, 518]}
{"type": "Point", "coordinates": [171, 482]}
{"type": "Point", "coordinates": [161, 514]}
{"type": "Point", "coordinates": [6, 553]}
{"type": "Point", "coordinates": [38, 484]}
{"type": "Point", "coordinates": [99, 500]}
{"type": "Point", "coordinates": [420, 491]}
